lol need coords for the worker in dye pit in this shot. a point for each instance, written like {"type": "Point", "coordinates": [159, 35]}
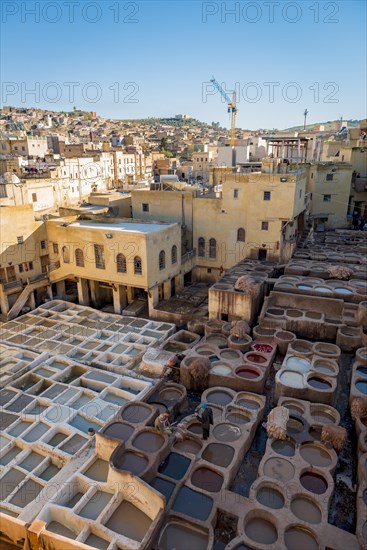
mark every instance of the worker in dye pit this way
{"type": "Point", "coordinates": [162, 423]}
{"type": "Point", "coordinates": [205, 415]}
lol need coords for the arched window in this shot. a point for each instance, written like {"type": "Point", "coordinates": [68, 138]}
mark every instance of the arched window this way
{"type": "Point", "coordinates": [121, 263]}
{"type": "Point", "coordinates": [201, 247]}
{"type": "Point", "coordinates": [138, 269]}
{"type": "Point", "coordinates": [174, 254]}
{"type": "Point", "coordinates": [79, 257]}
{"type": "Point", "coordinates": [66, 254]}
{"type": "Point", "coordinates": [241, 235]}
{"type": "Point", "coordinates": [212, 249]}
{"type": "Point", "coordinates": [162, 260]}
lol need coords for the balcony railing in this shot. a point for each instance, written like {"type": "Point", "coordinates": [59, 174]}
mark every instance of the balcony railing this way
{"type": "Point", "coordinates": [186, 257]}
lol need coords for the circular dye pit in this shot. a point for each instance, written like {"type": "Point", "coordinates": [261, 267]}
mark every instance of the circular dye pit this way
{"type": "Point", "coordinates": [267, 496]}
{"type": "Point", "coordinates": [218, 454]}
{"type": "Point", "coordinates": [323, 289]}
{"type": "Point", "coordinates": [230, 354]}
{"type": "Point", "coordinates": [306, 510]}
{"type": "Point", "coordinates": [275, 311]}
{"type": "Point", "coordinates": [292, 379]}
{"type": "Point", "coordinates": [325, 368]}
{"type": "Point", "coordinates": [255, 358]}
{"type": "Point", "coordinates": [362, 371]}
{"type": "Point", "coordinates": [221, 369]}
{"type": "Point", "coordinates": [188, 446]}
{"type": "Point", "coordinates": [293, 407]}
{"type": "Point", "coordinates": [294, 313]}
{"type": "Point", "coordinates": [216, 340]}
{"type": "Point", "coordinates": [250, 404]}
{"type": "Point", "coordinates": [324, 416]}
{"type": "Point", "coordinates": [148, 441]}
{"type": "Point", "coordinates": [195, 428]}
{"type": "Point", "coordinates": [227, 432]}
{"type": "Point", "coordinates": [204, 351]}
{"type": "Point", "coordinates": [117, 430]}
{"type": "Point", "coordinates": [319, 383]}
{"type": "Point", "coordinates": [263, 348]}
{"type": "Point", "coordinates": [295, 426]}
{"type": "Point", "coordinates": [247, 373]}
{"type": "Point", "coordinates": [329, 350]}
{"type": "Point", "coordinates": [343, 291]}
{"type": "Point", "coordinates": [207, 479]}
{"type": "Point", "coordinates": [298, 537]}
{"type": "Point", "coordinates": [219, 397]}
{"type": "Point", "coordinates": [314, 483]}
{"type": "Point", "coordinates": [315, 433]}
{"type": "Point", "coordinates": [279, 468]}
{"type": "Point", "coordinates": [135, 413]}
{"type": "Point", "coordinates": [304, 287]}
{"type": "Point", "coordinates": [301, 346]}
{"type": "Point", "coordinates": [361, 386]}
{"type": "Point", "coordinates": [260, 530]}
{"type": "Point", "coordinates": [170, 394]}
{"type": "Point", "coordinates": [315, 315]}
{"type": "Point", "coordinates": [298, 364]}
{"type": "Point", "coordinates": [132, 462]}
{"type": "Point", "coordinates": [238, 417]}
{"type": "Point", "coordinates": [315, 455]}
{"type": "Point", "coordinates": [284, 448]}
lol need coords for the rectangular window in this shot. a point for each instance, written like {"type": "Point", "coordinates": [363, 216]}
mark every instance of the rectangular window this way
{"type": "Point", "coordinates": [235, 193]}
{"type": "Point", "coordinates": [329, 177]}
{"type": "Point", "coordinates": [34, 197]}
{"type": "Point", "coordinates": [30, 264]}
{"type": "Point", "coordinates": [55, 248]}
{"type": "Point", "coordinates": [99, 256]}
{"type": "Point", "coordinates": [267, 195]}
{"type": "Point", "coordinates": [20, 267]}
{"type": "Point", "coordinates": [43, 245]}
{"type": "Point", "coordinates": [264, 226]}
{"type": "Point", "coordinates": [209, 270]}
{"type": "Point", "coordinates": [145, 207]}
{"type": "Point", "coordinates": [20, 240]}
{"type": "Point", "coordinates": [327, 198]}
{"type": "Point", "coordinates": [300, 193]}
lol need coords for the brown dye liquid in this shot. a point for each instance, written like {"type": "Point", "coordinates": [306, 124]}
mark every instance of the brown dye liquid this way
{"type": "Point", "coordinates": [9, 482]}
{"type": "Point", "coordinates": [267, 496]}
{"type": "Point", "coordinates": [279, 469]}
{"type": "Point", "coordinates": [294, 426]}
{"type": "Point", "coordinates": [117, 430]}
{"type": "Point", "coordinates": [171, 394]}
{"type": "Point", "coordinates": [207, 479]}
{"type": "Point", "coordinates": [98, 470]}
{"type": "Point", "coordinates": [135, 414]}
{"type": "Point", "coordinates": [129, 521]}
{"type": "Point", "coordinates": [195, 428]}
{"type": "Point", "coordinates": [238, 418]}
{"type": "Point", "coordinates": [95, 505]}
{"type": "Point", "coordinates": [182, 537]}
{"type": "Point", "coordinates": [261, 530]}
{"type": "Point", "coordinates": [28, 492]}
{"type": "Point", "coordinates": [256, 358]}
{"type": "Point", "coordinates": [285, 448]}
{"type": "Point", "coordinates": [249, 404]}
{"type": "Point", "coordinates": [219, 398]}
{"type": "Point", "coordinates": [305, 510]}
{"type": "Point", "coordinates": [188, 446]}
{"type": "Point", "coordinates": [149, 442]}
{"type": "Point", "coordinates": [60, 529]}
{"type": "Point", "coordinates": [315, 455]}
{"type": "Point", "coordinates": [296, 538]}
{"type": "Point", "coordinates": [314, 483]}
{"type": "Point", "coordinates": [218, 454]}
{"type": "Point", "coordinates": [97, 542]}
{"type": "Point", "coordinates": [227, 432]}
{"type": "Point", "coordinates": [131, 462]}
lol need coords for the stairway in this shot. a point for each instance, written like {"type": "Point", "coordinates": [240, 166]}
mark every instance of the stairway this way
{"type": "Point", "coordinates": [23, 297]}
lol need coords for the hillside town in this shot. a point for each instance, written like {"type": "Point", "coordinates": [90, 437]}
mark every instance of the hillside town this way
{"type": "Point", "coordinates": [183, 336]}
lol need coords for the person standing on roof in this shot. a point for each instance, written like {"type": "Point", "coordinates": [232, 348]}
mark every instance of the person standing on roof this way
{"type": "Point", "coordinates": [204, 414]}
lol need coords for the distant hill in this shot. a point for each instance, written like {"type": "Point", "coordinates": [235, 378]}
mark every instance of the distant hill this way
{"type": "Point", "coordinates": [328, 125]}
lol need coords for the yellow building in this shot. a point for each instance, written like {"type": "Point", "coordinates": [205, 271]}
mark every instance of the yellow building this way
{"type": "Point", "coordinates": [329, 187]}
{"type": "Point", "coordinates": [115, 261]}
{"type": "Point", "coordinates": [23, 260]}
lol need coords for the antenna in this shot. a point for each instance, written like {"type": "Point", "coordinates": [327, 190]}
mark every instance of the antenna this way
{"type": "Point", "coordinates": [305, 115]}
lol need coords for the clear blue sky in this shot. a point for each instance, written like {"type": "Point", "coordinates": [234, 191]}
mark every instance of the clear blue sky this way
{"type": "Point", "coordinates": [174, 47]}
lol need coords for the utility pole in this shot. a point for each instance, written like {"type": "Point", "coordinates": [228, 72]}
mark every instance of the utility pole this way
{"type": "Point", "coordinates": [305, 115]}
